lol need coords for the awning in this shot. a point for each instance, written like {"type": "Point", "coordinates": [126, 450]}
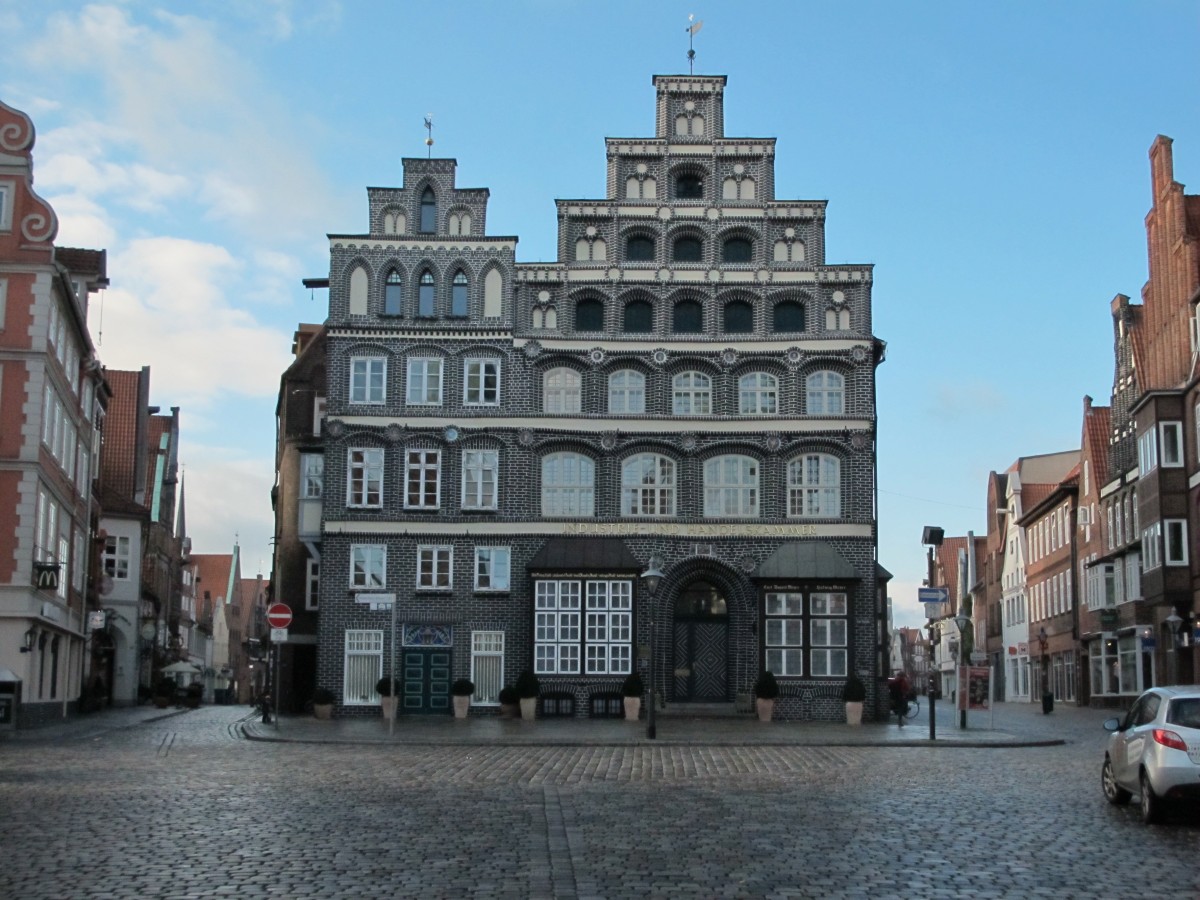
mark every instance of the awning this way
{"type": "Point", "coordinates": [584, 554]}
{"type": "Point", "coordinates": [808, 560]}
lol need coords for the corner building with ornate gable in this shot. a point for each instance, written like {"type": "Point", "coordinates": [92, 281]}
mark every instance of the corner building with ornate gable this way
{"type": "Point", "coordinates": [509, 446]}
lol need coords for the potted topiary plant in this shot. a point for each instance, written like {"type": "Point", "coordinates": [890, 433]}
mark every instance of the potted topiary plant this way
{"type": "Point", "coordinates": [461, 692]}
{"type": "Point", "coordinates": [388, 689]}
{"type": "Point", "coordinates": [854, 693]}
{"type": "Point", "coordinates": [632, 690]}
{"type": "Point", "coordinates": [164, 692]}
{"type": "Point", "coordinates": [528, 689]}
{"type": "Point", "coordinates": [322, 700]}
{"type": "Point", "coordinates": [510, 703]}
{"type": "Point", "coordinates": [193, 694]}
{"type": "Point", "coordinates": [766, 689]}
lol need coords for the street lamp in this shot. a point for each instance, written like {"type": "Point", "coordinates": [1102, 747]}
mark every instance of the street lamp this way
{"type": "Point", "coordinates": [651, 578]}
{"type": "Point", "coordinates": [963, 621]}
{"type": "Point", "coordinates": [1175, 623]}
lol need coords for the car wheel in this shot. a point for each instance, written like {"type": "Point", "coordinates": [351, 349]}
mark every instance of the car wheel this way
{"type": "Point", "coordinates": [1152, 805]}
{"type": "Point", "coordinates": [1113, 792]}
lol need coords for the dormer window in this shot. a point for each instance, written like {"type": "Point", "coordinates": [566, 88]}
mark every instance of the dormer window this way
{"type": "Point", "coordinates": [428, 212]}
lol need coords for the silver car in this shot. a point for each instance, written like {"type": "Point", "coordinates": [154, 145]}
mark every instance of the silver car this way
{"type": "Point", "coordinates": [1155, 750]}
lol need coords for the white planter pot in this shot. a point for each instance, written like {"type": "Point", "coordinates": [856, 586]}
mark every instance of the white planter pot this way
{"type": "Point", "coordinates": [388, 705]}
{"type": "Point", "coordinates": [766, 709]}
{"type": "Point", "coordinates": [853, 713]}
{"type": "Point", "coordinates": [529, 708]}
{"type": "Point", "coordinates": [633, 706]}
{"type": "Point", "coordinates": [323, 710]}
{"type": "Point", "coordinates": [461, 705]}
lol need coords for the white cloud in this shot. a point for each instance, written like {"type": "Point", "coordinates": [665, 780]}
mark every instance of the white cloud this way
{"type": "Point", "coordinates": [82, 222]}
{"type": "Point", "coordinates": [227, 497]}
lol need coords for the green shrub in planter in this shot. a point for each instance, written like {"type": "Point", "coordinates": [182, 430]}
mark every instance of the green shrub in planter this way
{"type": "Point", "coordinates": [766, 688]}
{"type": "Point", "coordinates": [528, 685]}
{"type": "Point", "coordinates": [388, 687]}
{"type": "Point", "coordinates": [508, 696]}
{"type": "Point", "coordinates": [632, 686]}
{"type": "Point", "coordinates": [463, 687]}
{"type": "Point", "coordinates": [323, 697]}
{"type": "Point", "coordinates": [854, 691]}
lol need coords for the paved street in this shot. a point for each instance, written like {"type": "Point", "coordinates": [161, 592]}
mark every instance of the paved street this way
{"type": "Point", "coordinates": [127, 805]}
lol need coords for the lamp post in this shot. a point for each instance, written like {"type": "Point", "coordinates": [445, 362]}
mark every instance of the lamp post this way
{"type": "Point", "coordinates": [1174, 623]}
{"type": "Point", "coordinates": [651, 578]}
{"type": "Point", "coordinates": [1047, 694]}
{"type": "Point", "coordinates": [963, 621]}
{"type": "Point", "coordinates": [931, 537]}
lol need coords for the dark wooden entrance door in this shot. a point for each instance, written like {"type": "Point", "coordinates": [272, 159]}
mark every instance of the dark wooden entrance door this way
{"type": "Point", "coordinates": [701, 637]}
{"type": "Point", "coordinates": [426, 677]}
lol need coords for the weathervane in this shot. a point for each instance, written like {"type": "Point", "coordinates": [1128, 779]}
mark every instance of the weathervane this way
{"type": "Point", "coordinates": [692, 30]}
{"type": "Point", "coordinates": [429, 132]}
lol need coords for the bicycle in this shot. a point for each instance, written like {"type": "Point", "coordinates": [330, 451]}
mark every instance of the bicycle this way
{"type": "Point", "coordinates": [909, 711]}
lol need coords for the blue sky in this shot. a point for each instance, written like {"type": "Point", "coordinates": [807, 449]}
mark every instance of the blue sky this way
{"type": "Point", "coordinates": [988, 159]}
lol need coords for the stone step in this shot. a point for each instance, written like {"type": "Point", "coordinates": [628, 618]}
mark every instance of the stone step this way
{"type": "Point", "coordinates": [706, 711]}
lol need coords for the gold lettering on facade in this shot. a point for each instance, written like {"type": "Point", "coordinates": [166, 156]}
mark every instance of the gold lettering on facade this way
{"type": "Point", "coordinates": [626, 529]}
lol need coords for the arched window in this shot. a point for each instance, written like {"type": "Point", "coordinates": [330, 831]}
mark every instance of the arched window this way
{"type": "Point", "coordinates": [639, 317]}
{"type": "Point", "coordinates": [689, 187]}
{"type": "Point", "coordinates": [687, 317]}
{"type": "Point", "coordinates": [589, 315]}
{"type": "Point", "coordinates": [789, 251]}
{"type": "Point", "coordinates": [426, 292]}
{"type": "Point", "coordinates": [758, 394]}
{"type": "Point", "coordinates": [687, 249]}
{"type": "Point", "coordinates": [551, 317]}
{"type": "Point", "coordinates": [739, 317]}
{"type": "Point", "coordinates": [561, 391]}
{"type": "Point", "coordinates": [837, 320]}
{"type": "Point", "coordinates": [493, 292]}
{"type": "Point", "coordinates": [568, 485]}
{"type": "Point", "coordinates": [393, 294]}
{"type": "Point", "coordinates": [788, 316]}
{"type": "Point", "coordinates": [814, 486]}
{"type": "Point", "coordinates": [394, 223]}
{"type": "Point", "coordinates": [359, 282]}
{"type": "Point", "coordinates": [428, 212]}
{"type": "Point", "coordinates": [458, 294]}
{"type": "Point", "coordinates": [691, 394]}
{"type": "Point", "coordinates": [737, 250]}
{"type": "Point", "coordinates": [825, 394]}
{"type": "Point", "coordinates": [648, 486]}
{"type": "Point", "coordinates": [626, 392]}
{"type": "Point", "coordinates": [639, 248]}
{"type": "Point", "coordinates": [731, 486]}
{"type": "Point", "coordinates": [460, 223]}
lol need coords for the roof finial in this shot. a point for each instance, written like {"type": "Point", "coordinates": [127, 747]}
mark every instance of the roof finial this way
{"type": "Point", "coordinates": [692, 30]}
{"type": "Point", "coordinates": [429, 131]}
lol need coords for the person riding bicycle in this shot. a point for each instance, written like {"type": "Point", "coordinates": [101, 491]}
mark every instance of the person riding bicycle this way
{"type": "Point", "coordinates": [900, 689]}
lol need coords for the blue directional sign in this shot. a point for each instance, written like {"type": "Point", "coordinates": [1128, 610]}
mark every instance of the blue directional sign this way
{"type": "Point", "coordinates": [933, 595]}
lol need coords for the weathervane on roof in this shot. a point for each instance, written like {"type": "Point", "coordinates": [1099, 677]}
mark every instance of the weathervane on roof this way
{"type": "Point", "coordinates": [692, 30]}
{"type": "Point", "coordinates": [429, 134]}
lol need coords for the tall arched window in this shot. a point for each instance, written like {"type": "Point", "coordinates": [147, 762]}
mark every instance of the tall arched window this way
{"type": "Point", "coordinates": [428, 212]}
{"type": "Point", "coordinates": [739, 317]}
{"type": "Point", "coordinates": [458, 294]}
{"type": "Point", "coordinates": [589, 315]}
{"type": "Point", "coordinates": [568, 485]}
{"type": "Point", "coordinates": [737, 250]}
{"type": "Point", "coordinates": [731, 486]}
{"type": "Point", "coordinates": [691, 394]}
{"type": "Point", "coordinates": [648, 486]}
{"type": "Point", "coordinates": [426, 292]}
{"type": "Point", "coordinates": [626, 392]}
{"type": "Point", "coordinates": [788, 316]}
{"type": "Point", "coordinates": [814, 486]}
{"type": "Point", "coordinates": [758, 394]}
{"type": "Point", "coordinates": [639, 317]}
{"type": "Point", "coordinates": [689, 186]}
{"type": "Point", "coordinates": [825, 394]}
{"type": "Point", "coordinates": [687, 249]}
{"type": "Point", "coordinates": [561, 391]}
{"type": "Point", "coordinates": [687, 317]}
{"type": "Point", "coordinates": [639, 248]}
{"type": "Point", "coordinates": [393, 294]}
{"type": "Point", "coordinates": [359, 284]}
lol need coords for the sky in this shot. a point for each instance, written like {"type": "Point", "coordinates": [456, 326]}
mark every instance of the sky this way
{"type": "Point", "coordinates": [989, 159]}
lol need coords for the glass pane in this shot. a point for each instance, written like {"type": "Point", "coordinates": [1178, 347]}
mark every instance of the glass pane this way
{"type": "Point", "coordinates": [739, 318]}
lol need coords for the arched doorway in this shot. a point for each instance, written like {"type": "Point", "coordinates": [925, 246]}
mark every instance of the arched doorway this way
{"type": "Point", "coordinates": [700, 644]}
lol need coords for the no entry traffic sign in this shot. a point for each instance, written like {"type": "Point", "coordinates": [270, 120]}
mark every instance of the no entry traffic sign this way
{"type": "Point", "coordinates": [279, 615]}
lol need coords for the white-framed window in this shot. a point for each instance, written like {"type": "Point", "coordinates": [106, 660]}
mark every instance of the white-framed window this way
{"type": "Point", "coordinates": [312, 584]}
{"type": "Point", "coordinates": [480, 474]}
{"type": "Point", "coordinates": [556, 627]}
{"type": "Point", "coordinates": [568, 485]}
{"type": "Point", "coordinates": [363, 667]}
{"type": "Point", "coordinates": [492, 568]}
{"type": "Point", "coordinates": [814, 486]}
{"type": "Point", "coordinates": [1147, 452]}
{"type": "Point", "coordinates": [1152, 547]}
{"type": "Point", "coordinates": [435, 568]}
{"type": "Point", "coordinates": [561, 389]}
{"type": "Point", "coordinates": [422, 479]}
{"type": "Point", "coordinates": [318, 414]}
{"type": "Point", "coordinates": [731, 486]}
{"type": "Point", "coordinates": [481, 382]}
{"type": "Point", "coordinates": [1175, 549]}
{"type": "Point", "coordinates": [784, 633]}
{"type": "Point", "coordinates": [116, 557]}
{"type": "Point", "coordinates": [487, 667]}
{"type": "Point", "coordinates": [1171, 444]}
{"type": "Point", "coordinates": [691, 394]}
{"type": "Point", "coordinates": [368, 379]}
{"type": "Point", "coordinates": [1133, 576]}
{"type": "Point", "coordinates": [627, 392]}
{"type": "Point", "coordinates": [6, 204]}
{"type": "Point", "coordinates": [648, 486]}
{"type": "Point", "coordinates": [424, 382]}
{"type": "Point", "coordinates": [364, 477]}
{"type": "Point", "coordinates": [758, 394]}
{"type": "Point", "coordinates": [312, 475]}
{"type": "Point", "coordinates": [608, 628]}
{"type": "Point", "coordinates": [368, 566]}
{"type": "Point", "coordinates": [827, 634]}
{"type": "Point", "coordinates": [825, 394]}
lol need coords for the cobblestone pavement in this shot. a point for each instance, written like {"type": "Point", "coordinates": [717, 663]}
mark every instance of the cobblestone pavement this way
{"type": "Point", "coordinates": [185, 807]}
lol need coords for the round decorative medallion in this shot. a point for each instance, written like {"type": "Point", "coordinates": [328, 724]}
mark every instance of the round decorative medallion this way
{"type": "Point", "coordinates": [859, 354]}
{"type": "Point", "coordinates": [591, 231]}
{"type": "Point", "coordinates": [739, 169]}
{"type": "Point", "coordinates": [608, 441]}
{"type": "Point", "coordinates": [394, 433]}
{"type": "Point", "coordinates": [664, 274]}
{"type": "Point", "coordinates": [688, 441]}
{"type": "Point", "coordinates": [642, 168]}
{"type": "Point", "coordinates": [729, 356]}
{"type": "Point", "coordinates": [614, 274]}
{"type": "Point", "coordinates": [450, 434]}
{"type": "Point", "coordinates": [714, 275]}
{"type": "Point", "coordinates": [747, 564]}
{"type": "Point", "coordinates": [659, 356]}
{"type": "Point", "coordinates": [690, 106]}
{"type": "Point", "coordinates": [839, 297]}
{"type": "Point", "coordinates": [525, 437]}
{"type": "Point", "coordinates": [774, 442]}
{"type": "Point", "coordinates": [664, 213]}
{"type": "Point", "coordinates": [532, 350]}
{"type": "Point", "coordinates": [859, 440]}
{"type": "Point", "coordinates": [543, 296]}
{"type": "Point", "coordinates": [596, 355]}
{"type": "Point", "coordinates": [713, 214]}
{"type": "Point", "coordinates": [789, 232]}
{"type": "Point", "coordinates": [335, 427]}
{"type": "Point", "coordinates": [795, 355]}
{"type": "Point", "coordinates": [763, 275]}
